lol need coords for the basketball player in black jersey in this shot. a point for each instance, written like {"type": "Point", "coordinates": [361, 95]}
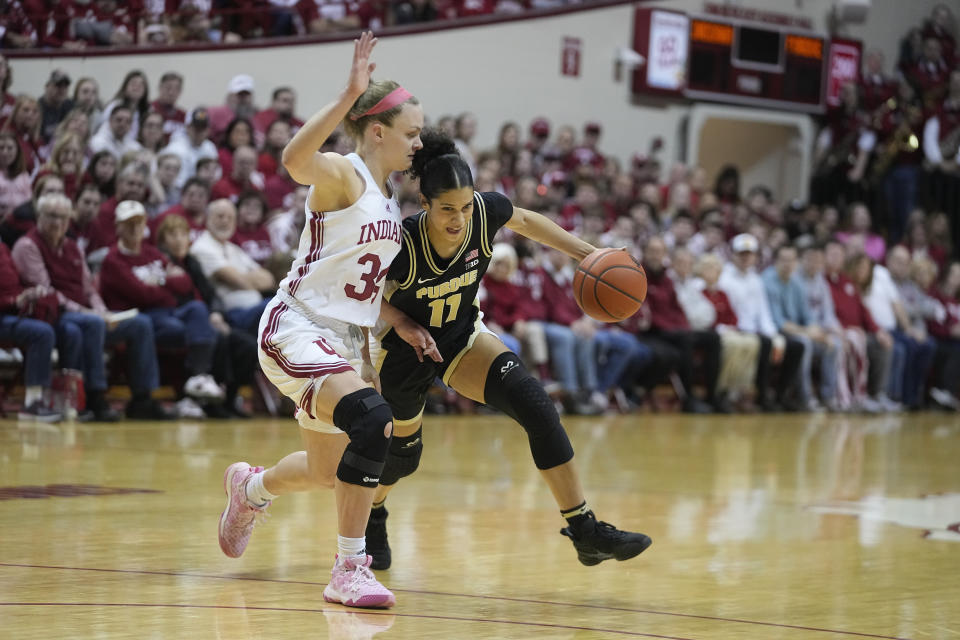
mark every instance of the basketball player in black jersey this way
{"type": "Point", "coordinates": [433, 281]}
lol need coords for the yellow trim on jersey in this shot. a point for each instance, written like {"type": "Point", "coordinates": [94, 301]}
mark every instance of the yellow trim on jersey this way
{"type": "Point", "coordinates": [484, 242]}
{"type": "Point", "coordinates": [412, 262]}
{"type": "Point", "coordinates": [381, 357]}
{"type": "Point", "coordinates": [478, 328]}
{"type": "Point", "coordinates": [397, 422]}
{"type": "Point", "coordinates": [425, 244]}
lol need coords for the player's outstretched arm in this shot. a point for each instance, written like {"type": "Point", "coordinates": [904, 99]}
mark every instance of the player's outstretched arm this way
{"type": "Point", "coordinates": [542, 229]}
{"type": "Point", "coordinates": [301, 156]}
{"type": "Point", "coordinates": [410, 332]}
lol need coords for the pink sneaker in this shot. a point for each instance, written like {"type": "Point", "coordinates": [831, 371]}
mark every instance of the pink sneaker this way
{"type": "Point", "coordinates": [239, 517]}
{"type": "Point", "coordinates": [354, 585]}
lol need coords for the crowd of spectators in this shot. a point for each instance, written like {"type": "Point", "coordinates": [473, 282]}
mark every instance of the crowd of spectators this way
{"type": "Point", "coordinates": [75, 24]}
{"type": "Point", "coordinates": [187, 216]}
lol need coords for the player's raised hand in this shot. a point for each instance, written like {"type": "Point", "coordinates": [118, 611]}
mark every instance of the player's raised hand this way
{"type": "Point", "coordinates": [362, 68]}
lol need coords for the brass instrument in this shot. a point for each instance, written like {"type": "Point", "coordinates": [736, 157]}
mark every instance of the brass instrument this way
{"type": "Point", "coordinates": [904, 140]}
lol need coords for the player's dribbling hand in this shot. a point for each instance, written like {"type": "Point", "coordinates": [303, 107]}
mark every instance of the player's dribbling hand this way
{"type": "Point", "coordinates": [362, 68]}
{"type": "Point", "coordinates": [420, 339]}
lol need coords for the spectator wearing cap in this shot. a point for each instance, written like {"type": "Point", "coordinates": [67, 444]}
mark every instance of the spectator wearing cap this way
{"type": "Point", "coordinates": [283, 106]}
{"type": "Point", "coordinates": [243, 176]}
{"type": "Point", "coordinates": [538, 142]}
{"type": "Point", "coordinates": [34, 337]}
{"type": "Point", "coordinates": [54, 103]}
{"type": "Point", "coordinates": [788, 306]}
{"type": "Point", "coordinates": [237, 278]}
{"type": "Point", "coordinates": [748, 297]}
{"type": "Point", "coordinates": [192, 145]}
{"type": "Point", "coordinates": [114, 135]}
{"type": "Point", "coordinates": [137, 275]}
{"type": "Point", "coordinates": [168, 92]}
{"type": "Point", "coordinates": [46, 257]}
{"type": "Point", "coordinates": [239, 104]}
{"type": "Point", "coordinates": [671, 338]}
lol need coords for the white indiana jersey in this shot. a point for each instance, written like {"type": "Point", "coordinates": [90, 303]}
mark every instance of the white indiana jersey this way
{"type": "Point", "coordinates": [344, 255]}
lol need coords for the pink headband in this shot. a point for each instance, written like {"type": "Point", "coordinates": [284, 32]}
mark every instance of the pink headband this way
{"type": "Point", "coordinates": [392, 99]}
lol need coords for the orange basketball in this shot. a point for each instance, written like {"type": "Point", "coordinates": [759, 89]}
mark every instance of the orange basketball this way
{"type": "Point", "coordinates": [609, 285]}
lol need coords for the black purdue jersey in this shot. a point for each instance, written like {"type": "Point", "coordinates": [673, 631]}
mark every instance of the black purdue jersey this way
{"type": "Point", "coordinates": [438, 294]}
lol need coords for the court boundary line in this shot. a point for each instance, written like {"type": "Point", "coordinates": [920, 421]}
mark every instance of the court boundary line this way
{"type": "Point", "coordinates": [465, 595]}
{"type": "Point", "coordinates": [339, 611]}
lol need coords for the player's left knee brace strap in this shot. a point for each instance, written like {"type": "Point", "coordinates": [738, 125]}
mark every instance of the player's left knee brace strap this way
{"type": "Point", "coordinates": [511, 389]}
{"type": "Point", "coordinates": [362, 415]}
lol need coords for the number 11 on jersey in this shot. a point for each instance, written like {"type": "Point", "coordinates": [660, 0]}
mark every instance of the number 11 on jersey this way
{"type": "Point", "coordinates": [436, 309]}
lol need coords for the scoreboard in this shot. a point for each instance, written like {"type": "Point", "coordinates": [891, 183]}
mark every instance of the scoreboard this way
{"type": "Point", "coordinates": [729, 60]}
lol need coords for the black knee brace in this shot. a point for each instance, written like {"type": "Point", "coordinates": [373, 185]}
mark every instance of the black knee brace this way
{"type": "Point", "coordinates": [362, 415]}
{"type": "Point", "coordinates": [403, 457]}
{"type": "Point", "coordinates": [511, 389]}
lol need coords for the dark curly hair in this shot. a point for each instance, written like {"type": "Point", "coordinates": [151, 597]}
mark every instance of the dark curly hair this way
{"type": "Point", "coordinates": [439, 165]}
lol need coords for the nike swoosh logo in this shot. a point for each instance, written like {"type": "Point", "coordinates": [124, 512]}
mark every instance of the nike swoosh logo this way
{"type": "Point", "coordinates": [422, 280]}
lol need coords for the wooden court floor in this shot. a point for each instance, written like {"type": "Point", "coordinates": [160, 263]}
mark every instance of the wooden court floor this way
{"type": "Point", "coordinates": [808, 527]}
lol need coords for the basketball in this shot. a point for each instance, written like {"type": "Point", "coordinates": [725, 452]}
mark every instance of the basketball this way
{"type": "Point", "coordinates": [609, 285]}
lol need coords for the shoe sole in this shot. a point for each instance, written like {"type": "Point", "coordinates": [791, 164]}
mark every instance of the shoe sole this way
{"type": "Point", "coordinates": [593, 558]}
{"type": "Point", "coordinates": [227, 485]}
{"type": "Point", "coordinates": [366, 602]}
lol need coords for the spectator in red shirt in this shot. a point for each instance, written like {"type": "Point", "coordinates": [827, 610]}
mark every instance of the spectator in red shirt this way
{"type": "Point", "coordinates": [946, 368]}
{"type": "Point", "coordinates": [670, 336]}
{"type": "Point", "coordinates": [46, 257]}
{"type": "Point", "coordinates": [24, 122]}
{"type": "Point", "coordinates": [34, 337]}
{"type": "Point", "coordinates": [501, 300]}
{"type": "Point", "coordinates": [192, 208]}
{"type": "Point", "coordinates": [239, 133]}
{"type": "Point", "coordinates": [282, 107]}
{"type": "Point", "coordinates": [15, 184]}
{"type": "Point", "coordinates": [251, 234]}
{"type": "Point", "coordinates": [929, 74]}
{"type": "Point", "coordinates": [861, 333]}
{"type": "Point", "coordinates": [16, 29]}
{"type": "Point", "coordinates": [174, 118]}
{"type": "Point", "coordinates": [6, 99]}
{"type": "Point", "coordinates": [243, 177]}
{"type": "Point", "coordinates": [131, 185]}
{"type": "Point", "coordinates": [277, 137]}
{"type": "Point", "coordinates": [137, 275]}
{"type": "Point", "coordinates": [86, 210]}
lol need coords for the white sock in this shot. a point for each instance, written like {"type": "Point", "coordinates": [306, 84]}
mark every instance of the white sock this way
{"type": "Point", "coordinates": [257, 495]}
{"type": "Point", "coordinates": [352, 547]}
{"type": "Point", "coordinates": [32, 394]}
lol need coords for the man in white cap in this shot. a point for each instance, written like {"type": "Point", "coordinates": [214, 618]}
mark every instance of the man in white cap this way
{"type": "Point", "coordinates": [239, 104]}
{"type": "Point", "coordinates": [138, 275]}
{"type": "Point", "coordinates": [748, 297]}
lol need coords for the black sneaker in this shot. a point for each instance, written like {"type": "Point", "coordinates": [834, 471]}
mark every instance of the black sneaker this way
{"type": "Point", "coordinates": [378, 547]}
{"type": "Point", "coordinates": [38, 412]}
{"type": "Point", "coordinates": [596, 541]}
{"type": "Point", "coordinates": [147, 409]}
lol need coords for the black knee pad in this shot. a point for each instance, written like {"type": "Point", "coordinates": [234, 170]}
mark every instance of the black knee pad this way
{"type": "Point", "coordinates": [511, 389]}
{"type": "Point", "coordinates": [362, 415]}
{"type": "Point", "coordinates": [403, 457]}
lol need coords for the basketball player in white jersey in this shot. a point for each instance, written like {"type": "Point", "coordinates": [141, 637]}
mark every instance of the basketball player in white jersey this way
{"type": "Point", "coordinates": [313, 335]}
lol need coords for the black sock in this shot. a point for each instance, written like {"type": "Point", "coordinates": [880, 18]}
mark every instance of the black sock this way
{"type": "Point", "coordinates": [578, 515]}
